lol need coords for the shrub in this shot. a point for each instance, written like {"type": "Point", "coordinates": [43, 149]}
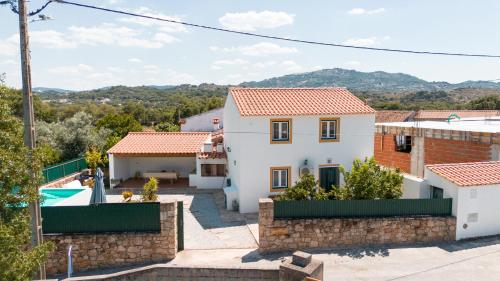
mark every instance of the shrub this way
{"type": "Point", "coordinates": [94, 158]}
{"type": "Point", "coordinates": [150, 189]}
{"type": "Point", "coordinates": [306, 188]}
{"type": "Point", "coordinates": [127, 196]}
{"type": "Point", "coordinates": [367, 180]}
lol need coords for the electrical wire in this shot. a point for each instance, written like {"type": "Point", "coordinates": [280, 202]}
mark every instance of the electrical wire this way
{"type": "Point", "coordinates": [273, 37]}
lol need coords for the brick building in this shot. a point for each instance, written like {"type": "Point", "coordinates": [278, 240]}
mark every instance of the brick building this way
{"type": "Point", "coordinates": [410, 146]}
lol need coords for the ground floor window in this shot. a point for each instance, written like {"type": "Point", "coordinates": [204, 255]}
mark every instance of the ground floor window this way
{"type": "Point", "coordinates": [280, 178]}
{"type": "Point", "coordinates": [436, 192]}
{"type": "Point", "coordinates": [213, 170]}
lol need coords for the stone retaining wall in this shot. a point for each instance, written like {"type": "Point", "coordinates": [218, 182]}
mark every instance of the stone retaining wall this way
{"type": "Point", "coordinates": [93, 251]}
{"type": "Point", "coordinates": [295, 234]}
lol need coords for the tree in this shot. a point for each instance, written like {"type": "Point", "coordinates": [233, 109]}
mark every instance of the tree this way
{"type": "Point", "coordinates": [167, 127]}
{"type": "Point", "coordinates": [485, 103]}
{"type": "Point", "coordinates": [306, 188]}
{"type": "Point", "coordinates": [18, 188]}
{"type": "Point", "coordinates": [119, 124]}
{"type": "Point", "coordinates": [367, 180]}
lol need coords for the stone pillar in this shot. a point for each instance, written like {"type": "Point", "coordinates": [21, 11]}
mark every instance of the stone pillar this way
{"type": "Point", "coordinates": [266, 217]}
{"type": "Point", "coordinates": [168, 224]}
{"type": "Point", "coordinates": [300, 267]}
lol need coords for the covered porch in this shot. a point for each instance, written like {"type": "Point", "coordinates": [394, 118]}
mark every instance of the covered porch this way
{"type": "Point", "coordinates": [169, 157]}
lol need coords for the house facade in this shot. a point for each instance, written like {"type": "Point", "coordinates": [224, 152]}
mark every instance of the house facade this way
{"type": "Point", "coordinates": [273, 135]}
{"type": "Point", "coordinates": [208, 121]}
{"type": "Point", "coordinates": [475, 189]}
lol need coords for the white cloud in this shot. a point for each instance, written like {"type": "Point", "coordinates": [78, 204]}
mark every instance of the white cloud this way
{"type": "Point", "coordinates": [361, 11]}
{"type": "Point", "coordinates": [365, 42]}
{"type": "Point", "coordinates": [135, 60]}
{"type": "Point", "coordinates": [252, 20]}
{"type": "Point", "coordinates": [152, 69]}
{"type": "Point", "coordinates": [115, 69]}
{"type": "Point", "coordinates": [111, 34]}
{"type": "Point", "coordinates": [8, 62]}
{"type": "Point", "coordinates": [71, 70]}
{"type": "Point", "coordinates": [290, 66]}
{"type": "Point", "coordinates": [265, 64]}
{"type": "Point", "coordinates": [9, 46]}
{"type": "Point", "coordinates": [52, 39]}
{"type": "Point", "coordinates": [352, 63]}
{"type": "Point", "coordinates": [161, 25]}
{"type": "Point", "coordinates": [164, 38]}
{"type": "Point", "coordinates": [230, 62]}
{"type": "Point", "coordinates": [259, 49]}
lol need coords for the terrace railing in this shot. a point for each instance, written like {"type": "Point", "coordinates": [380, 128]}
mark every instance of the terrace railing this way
{"type": "Point", "coordinates": [115, 217]}
{"type": "Point", "coordinates": [362, 208]}
{"type": "Point", "coordinates": [63, 169]}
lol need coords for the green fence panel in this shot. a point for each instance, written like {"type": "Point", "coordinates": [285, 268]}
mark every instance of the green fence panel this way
{"type": "Point", "coordinates": [63, 169]}
{"type": "Point", "coordinates": [362, 208]}
{"type": "Point", "coordinates": [113, 217]}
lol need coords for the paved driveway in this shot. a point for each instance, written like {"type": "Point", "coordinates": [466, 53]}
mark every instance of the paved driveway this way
{"type": "Point", "coordinates": [207, 225]}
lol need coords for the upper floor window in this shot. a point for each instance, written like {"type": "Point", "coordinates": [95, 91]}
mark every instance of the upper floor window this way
{"type": "Point", "coordinates": [403, 143]}
{"type": "Point", "coordinates": [281, 130]}
{"type": "Point", "coordinates": [329, 129]}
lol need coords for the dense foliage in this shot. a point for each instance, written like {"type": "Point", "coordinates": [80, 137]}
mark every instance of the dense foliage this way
{"type": "Point", "coordinates": [306, 188]}
{"type": "Point", "coordinates": [367, 180]}
{"type": "Point", "coordinates": [17, 189]}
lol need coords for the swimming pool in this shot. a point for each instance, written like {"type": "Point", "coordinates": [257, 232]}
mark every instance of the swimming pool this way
{"type": "Point", "coordinates": [53, 196]}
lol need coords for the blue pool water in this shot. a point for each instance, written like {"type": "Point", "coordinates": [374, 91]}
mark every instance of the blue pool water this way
{"type": "Point", "coordinates": [50, 197]}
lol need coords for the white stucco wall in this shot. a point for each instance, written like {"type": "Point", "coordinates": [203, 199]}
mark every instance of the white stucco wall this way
{"type": "Point", "coordinates": [252, 155]}
{"type": "Point", "coordinates": [414, 187]}
{"type": "Point", "coordinates": [203, 121]}
{"type": "Point", "coordinates": [480, 200]}
{"type": "Point", "coordinates": [126, 167]}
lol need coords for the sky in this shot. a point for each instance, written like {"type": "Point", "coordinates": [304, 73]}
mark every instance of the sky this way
{"type": "Point", "coordinates": [85, 49]}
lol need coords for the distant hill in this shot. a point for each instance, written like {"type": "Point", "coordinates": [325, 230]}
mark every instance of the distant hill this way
{"type": "Point", "coordinates": [50, 90]}
{"type": "Point", "coordinates": [378, 81]}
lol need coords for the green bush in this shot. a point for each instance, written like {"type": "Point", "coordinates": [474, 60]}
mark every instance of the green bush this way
{"type": "Point", "coordinates": [150, 190]}
{"type": "Point", "coordinates": [306, 188]}
{"type": "Point", "coordinates": [368, 180]}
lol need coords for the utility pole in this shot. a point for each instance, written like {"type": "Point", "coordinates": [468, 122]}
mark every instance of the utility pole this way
{"type": "Point", "coordinates": [29, 123]}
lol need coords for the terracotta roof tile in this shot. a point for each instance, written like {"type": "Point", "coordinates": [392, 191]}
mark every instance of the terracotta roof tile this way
{"type": "Point", "coordinates": [469, 174]}
{"type": "Point", "coordinates": [443, 114]}
{"type": "Point", "coordinates": [386, 116]}
{"type": "Point", "coordinates": [159, 143]}
{"type": "Point", "coordinates": [297, 101]}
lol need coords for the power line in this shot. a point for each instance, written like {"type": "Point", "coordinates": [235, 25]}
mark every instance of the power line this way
{"type": "Point", "coordinates": [273, 37]}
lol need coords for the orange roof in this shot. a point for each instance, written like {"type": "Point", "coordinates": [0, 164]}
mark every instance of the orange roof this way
{"type": "Point", "coordinates": [160, 144]}
{"type": "Point", "coordinates": [297, 101]}
{"type": "Point", "coordinates": [386, 116]}
{"type": "Point", "coordinates": [469, 174]}
{"type": "Point", "coordinates": [444, 114]}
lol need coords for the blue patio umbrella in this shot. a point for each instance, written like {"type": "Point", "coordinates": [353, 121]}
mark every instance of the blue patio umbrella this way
{"type": "Point", "coordinates": [98, 194]}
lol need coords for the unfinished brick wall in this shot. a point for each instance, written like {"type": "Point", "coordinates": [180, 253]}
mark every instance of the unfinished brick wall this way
{"type": "Point", "coordinates": [385, 153]}
{"type": "Point", "coordinates": [437, 151]}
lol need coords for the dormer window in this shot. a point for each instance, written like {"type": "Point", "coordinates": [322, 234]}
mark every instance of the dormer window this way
{"type": "Point", "coordinates": [281, 130]}
{"type": "Point", "coordinates": [328, 129]}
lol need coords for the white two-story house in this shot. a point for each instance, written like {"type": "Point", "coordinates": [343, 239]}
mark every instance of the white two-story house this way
{"type": "Point", "coordinates": [273, 135]}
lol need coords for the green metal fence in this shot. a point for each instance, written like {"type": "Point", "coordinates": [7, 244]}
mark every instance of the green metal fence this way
{"type": "Point", "coordinates": [63, 169]}
{"type": "Point", "coordinates": [113, 217]}
{"type": "Point", "coordinates": [362, 208]}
